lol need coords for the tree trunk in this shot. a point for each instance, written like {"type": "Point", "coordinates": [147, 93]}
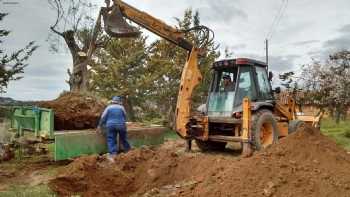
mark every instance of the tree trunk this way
{"type": "Point", "coordinates": [171, 117]}
{"type": "Point", "coordinates": [337, 116]}
{"type": "Point", "coordinates": [129, 109]}
{"type": "Point", "coordinates": [78, 79]}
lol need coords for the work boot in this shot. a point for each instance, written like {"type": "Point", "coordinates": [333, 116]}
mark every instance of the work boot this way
{"type": "Point", "coordinates": [110, 158]}
{"type": "Point", "coordinates": [188, 145]}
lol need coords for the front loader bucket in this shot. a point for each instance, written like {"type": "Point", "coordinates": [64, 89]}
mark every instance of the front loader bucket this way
{"type": "Point", "coordinates": [116, 26]}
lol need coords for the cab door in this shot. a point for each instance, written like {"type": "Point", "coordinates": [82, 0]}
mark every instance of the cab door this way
{"type": "Point", "coordinates": [221, 100]}
{"type": "Point", "coordinates": [246, 85]}
{"type": "Point", "coordinates": [263, 84]}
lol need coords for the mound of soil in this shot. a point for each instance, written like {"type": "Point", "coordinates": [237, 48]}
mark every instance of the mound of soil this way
{"type": "Point", "coordinates": [303, 164]}
{"type": "Point", "coordinates": [74, 111]}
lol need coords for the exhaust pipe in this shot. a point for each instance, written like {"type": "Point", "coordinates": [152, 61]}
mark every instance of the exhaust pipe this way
{"type": "Point", "coordinates": [115, 24]}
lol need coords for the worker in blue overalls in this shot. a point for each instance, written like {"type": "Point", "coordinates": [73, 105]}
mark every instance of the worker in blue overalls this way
{"type": "Point", "coordinates": [114, 119]}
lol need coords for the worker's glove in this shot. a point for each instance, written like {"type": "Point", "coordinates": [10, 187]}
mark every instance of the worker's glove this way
{"type": "Point", "coordinates": [101, 131]}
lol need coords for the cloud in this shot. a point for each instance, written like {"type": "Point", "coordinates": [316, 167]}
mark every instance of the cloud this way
{"type": "Point", "coordinates": [277, 63]}
{"type": "Point", "coordinates": [220, 10]}
{"type": "Point", "coordinates": [342, 42]}
{"type": "Point", "coordinates": [238, 46]}
{"type": "Point", "coordinates": [306, 42]}
{"type": "Point", "coordinates": [282, 63]}
{"type": "Point", "coordinates": [44, 77]}
{"type": "Point", "coordinates": [240, 25]}
{"type": "Point", "coordinates": [290, 28]}
{"type": "Point", "coordinates": [54, 64]}
{"type": "Point", "coordinates": [317, 54]}
{"type": "Point", "coordinates": [345, 28]}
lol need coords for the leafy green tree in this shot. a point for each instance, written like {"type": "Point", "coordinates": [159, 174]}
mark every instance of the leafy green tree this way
{"type": "Point", "coordinates": [148, 77]}
{"type": "Point", "coordinates": [121, 70]}
{"type": "Point", "coordinates": [168, 61]}
{"type": "Point", "coordinates": [12, 65]}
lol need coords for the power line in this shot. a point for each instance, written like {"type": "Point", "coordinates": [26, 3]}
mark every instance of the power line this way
{"type": "Point", "coordinates": [277, 18]}
{"type": "Point", "coordinates": [274, 24]}
{"type": "Point", "coordinates": [281, 16]}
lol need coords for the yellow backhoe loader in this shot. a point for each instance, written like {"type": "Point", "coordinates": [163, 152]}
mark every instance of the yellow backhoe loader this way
{"type": "Point", "coordinates": [241, 106]}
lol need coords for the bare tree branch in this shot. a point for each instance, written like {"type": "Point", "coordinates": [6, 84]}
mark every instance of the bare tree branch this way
{"type": "Point", "coordinates": [58, 6]}
{"type": "Point", "coordinates": [74, 25]}
{"type": "Point", "coordinates": [57, 32]}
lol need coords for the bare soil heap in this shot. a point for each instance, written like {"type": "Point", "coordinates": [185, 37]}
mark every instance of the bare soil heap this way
{"type": "Point", "coordinates": [75, 111]}
{"type": "Point", "coordinates": [304, 164]}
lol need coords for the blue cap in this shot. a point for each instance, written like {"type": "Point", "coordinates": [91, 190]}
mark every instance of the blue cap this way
{"type": "Point", "coordinates": [116, 99]}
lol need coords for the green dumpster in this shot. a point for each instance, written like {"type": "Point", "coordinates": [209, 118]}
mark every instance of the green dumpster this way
{"type": "Point", "coordinates": [33, 119]}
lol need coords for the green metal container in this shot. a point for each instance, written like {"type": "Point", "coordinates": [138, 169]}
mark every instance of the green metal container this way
{"type": "Point", "coordinates": [70, 144]}
{"type": "Point", "coordinates": [34, 119]}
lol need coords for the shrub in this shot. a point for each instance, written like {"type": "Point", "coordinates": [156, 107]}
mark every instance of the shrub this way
{"type": "Point", "coordinates": [347, 133]}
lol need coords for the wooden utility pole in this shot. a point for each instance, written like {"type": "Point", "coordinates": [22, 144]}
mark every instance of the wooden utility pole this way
{"type": "Point", "coordinates": [267, 52]}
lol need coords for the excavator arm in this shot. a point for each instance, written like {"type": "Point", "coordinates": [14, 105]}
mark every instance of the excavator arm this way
{"type": "Point", "coordinates": [116, 26]}
{"type": "Point", "coordinates": [156, 26]}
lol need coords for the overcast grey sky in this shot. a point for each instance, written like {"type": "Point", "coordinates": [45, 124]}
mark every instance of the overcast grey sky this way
{"type": "Point", "coordinates": [308, 29]}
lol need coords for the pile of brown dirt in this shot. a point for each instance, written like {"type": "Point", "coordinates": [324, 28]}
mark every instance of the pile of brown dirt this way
{"type": "Point", "coordinates": [74, 111]}
{"type": "Point", "coordinates": [304, 164]}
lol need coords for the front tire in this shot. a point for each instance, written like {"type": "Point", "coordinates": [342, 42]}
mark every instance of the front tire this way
{"type": "Point", "coordinates": [264, 129]}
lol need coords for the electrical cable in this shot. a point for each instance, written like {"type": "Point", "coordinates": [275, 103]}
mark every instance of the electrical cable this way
{"type": "Point", "coordinates": [277, 19]}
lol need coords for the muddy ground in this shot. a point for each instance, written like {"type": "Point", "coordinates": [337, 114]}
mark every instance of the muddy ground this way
{"type": "Point", "coordinates": [304, 164]}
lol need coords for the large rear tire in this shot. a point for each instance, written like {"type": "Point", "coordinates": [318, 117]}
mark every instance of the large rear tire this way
{"type": "Point", "coordinates": [210, 145]}
{"type": "Point", "coordinates": [264, 129]}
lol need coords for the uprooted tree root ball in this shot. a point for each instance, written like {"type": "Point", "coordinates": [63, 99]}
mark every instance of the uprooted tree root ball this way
{"type": "Point", "coordinates": [75, 111]}
{"type": "Point", "coordinates": [304, 164]}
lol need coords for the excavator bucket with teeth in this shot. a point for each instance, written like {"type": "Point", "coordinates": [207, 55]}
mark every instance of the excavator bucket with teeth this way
{"type": "Point", "coordinates": [115, 24]}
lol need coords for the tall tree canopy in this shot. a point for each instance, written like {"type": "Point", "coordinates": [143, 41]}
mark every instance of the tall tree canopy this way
{"type": "Point", "coordinates": [328, 84]}
{"type": "Point", "coordinates": [169, 61]}
{"type": "Point", "coordinates": [121, 69]}
{"type": "Point", "coordinates": [149, 76]}
{"type": "Point", "coordinates": [12, 65]}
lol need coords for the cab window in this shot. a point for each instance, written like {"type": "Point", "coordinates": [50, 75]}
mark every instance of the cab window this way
{"type": "Point", "coordinates": [224, 80]}
{"type": "Point", "coordinates": [221, 96]}
{"type": "Point", "coordinates": [263, 82]}
{"type": "Point", "coordinates": [246, 85]}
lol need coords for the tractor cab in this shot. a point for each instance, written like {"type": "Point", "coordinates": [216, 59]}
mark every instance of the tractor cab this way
{"type": "Point", "coordinates": [235, 79]}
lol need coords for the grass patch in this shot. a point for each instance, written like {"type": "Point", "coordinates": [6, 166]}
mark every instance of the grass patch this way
{"type": "Point", "coordinates": [171, 135]}
{"type": "Point", "coordinates": [347, 134]}
{"type": "Point", "coordinates": [39, 190]}
{"type": "Point", "coordinates": [339, 132]}
{"type": "Point", "coordinates": [25, 170]}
